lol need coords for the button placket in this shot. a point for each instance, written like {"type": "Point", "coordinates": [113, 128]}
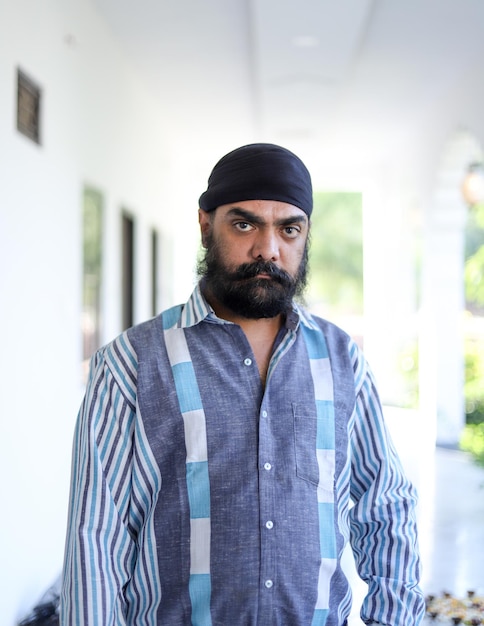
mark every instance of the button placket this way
{"type": "Point", "coordinates": [267, 499]}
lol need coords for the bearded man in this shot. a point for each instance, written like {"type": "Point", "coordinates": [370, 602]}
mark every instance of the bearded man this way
{"type": "Point", "coordinates": [227, 450]}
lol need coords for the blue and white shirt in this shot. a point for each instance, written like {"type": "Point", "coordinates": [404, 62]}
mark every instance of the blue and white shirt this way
{"type": "Point", "coordinates": [201, 497]}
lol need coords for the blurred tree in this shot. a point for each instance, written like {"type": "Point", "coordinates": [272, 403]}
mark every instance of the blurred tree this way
{"type": "Point", "coordinates": [336, 252]}
{"type": "Point", "coordinates": [474, 295]}
{"type": "Point", "coordinates": [474, 260]}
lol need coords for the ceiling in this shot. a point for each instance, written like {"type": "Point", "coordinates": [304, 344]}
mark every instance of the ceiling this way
{"type": "Point", "coordinates": [343, 83]}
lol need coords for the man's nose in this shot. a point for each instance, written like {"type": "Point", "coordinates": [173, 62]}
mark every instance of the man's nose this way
{"type": "Point", "coordinates": [266, 246]}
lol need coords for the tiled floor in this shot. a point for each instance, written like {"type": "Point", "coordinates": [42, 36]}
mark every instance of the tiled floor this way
{"type": "Point", "coordinates": [450, 514]}
{"type": "Point", "coordinates": [452, 526]}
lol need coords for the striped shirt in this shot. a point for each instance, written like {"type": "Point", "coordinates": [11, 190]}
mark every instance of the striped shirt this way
{"type": "Point", "coordinates": [201, 497]}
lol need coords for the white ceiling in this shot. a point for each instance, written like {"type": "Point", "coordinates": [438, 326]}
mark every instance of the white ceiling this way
{"type": "Point", "coordinates": [339, 81]}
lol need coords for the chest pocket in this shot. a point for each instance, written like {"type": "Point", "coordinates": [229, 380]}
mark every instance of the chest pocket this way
{"type": "Point", "coordinates": [305, 437]}
{"type": "Point", "coordinates": [315, 463]}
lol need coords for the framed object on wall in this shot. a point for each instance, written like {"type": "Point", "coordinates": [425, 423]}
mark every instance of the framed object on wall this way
{"type": "Point", "coordinates": [29, 98]}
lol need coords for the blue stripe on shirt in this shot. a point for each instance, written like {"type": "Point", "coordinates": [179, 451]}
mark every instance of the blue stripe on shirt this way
{"type": "Point", "coordinates": [186, 387]}
{"type": "Point", "coordinates": [198, 485]}
{"type": "Point", "coordinates": [200, 591]}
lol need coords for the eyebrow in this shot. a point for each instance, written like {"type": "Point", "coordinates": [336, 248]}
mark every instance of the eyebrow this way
{"type": "Point", "coordinates": [255, 219]}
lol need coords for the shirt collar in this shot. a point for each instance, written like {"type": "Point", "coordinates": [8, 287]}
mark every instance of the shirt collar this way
{"type": "Point", "coordinates": [197, 310]}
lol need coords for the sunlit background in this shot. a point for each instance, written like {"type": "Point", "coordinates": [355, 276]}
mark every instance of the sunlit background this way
{"type": "Point", "coordinates": [113, 113]}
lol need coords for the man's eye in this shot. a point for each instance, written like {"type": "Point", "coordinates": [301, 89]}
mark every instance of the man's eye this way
{"type": "Point", "coordinates": [291, 231]}
{"type": "Point", "coordinates": [243, 226]}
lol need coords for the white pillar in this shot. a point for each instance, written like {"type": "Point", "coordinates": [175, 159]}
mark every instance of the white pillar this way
{"type": "Point", "coordinates": [441, 342]}
{"type": "Point", "coordinates": [389, 290]}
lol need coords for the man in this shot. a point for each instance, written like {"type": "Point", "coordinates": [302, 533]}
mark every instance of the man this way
{"type": "Point", "coordinates": [219, 445]}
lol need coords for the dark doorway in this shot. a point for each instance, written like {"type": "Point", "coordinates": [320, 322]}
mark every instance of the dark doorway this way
{"type": "Point", "coordinates": [127, 270]}
{"type": "Point", "coordinates": [154, 271]}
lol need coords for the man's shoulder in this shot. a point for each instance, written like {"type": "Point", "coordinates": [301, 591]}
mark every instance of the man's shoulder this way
{"type": "Point", "coordinates": [149, 335]}
{"type": "Point", "coordinates": [129, 340]}
{"type": "Point", "coordinates": [330, 329]}
{"type": "Point", "coordinates": [342, 346]}
{"type": "Point", "coordinates": [145, 334]}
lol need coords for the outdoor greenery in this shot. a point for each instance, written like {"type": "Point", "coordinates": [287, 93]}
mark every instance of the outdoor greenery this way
{"type": "Point", "coordinates": [473, 435]}
{"type": "Point", "coordinates": [472, 441]}
{"type": "Point", "coordinates": [92, 219]}
{"type": "Point", "coordinates": [474, 255]}
{"type": "Point", "coordinates": [336, 252]}
{"type": "Point", "coordinates": [474, 380]}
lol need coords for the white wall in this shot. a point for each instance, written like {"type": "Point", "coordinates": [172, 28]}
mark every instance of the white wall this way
{"type": "Point", "coordinates": [99, 127]}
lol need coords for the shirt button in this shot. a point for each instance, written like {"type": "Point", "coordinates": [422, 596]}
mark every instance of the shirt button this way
{"type": "Point", "coordinates": [247, 362]}
{"type": "Point", "coordinates": [269, 524]}
{"type": "Point", "coordinates": [267, 466]}
{"type": "Point", "coordinates": [264, 413]}
{"type": "Point", "coordinates": [268, 584]}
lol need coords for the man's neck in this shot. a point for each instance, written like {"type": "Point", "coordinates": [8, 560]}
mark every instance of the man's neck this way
{"type": "Point", "coordinates": [261, 332]}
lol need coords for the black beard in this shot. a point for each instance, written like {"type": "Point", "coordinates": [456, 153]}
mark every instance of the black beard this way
{"type": "Point", "coordinates": [244, 294]}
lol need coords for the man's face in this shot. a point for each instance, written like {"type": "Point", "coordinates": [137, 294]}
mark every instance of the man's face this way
{"type": "Point", "coordinates": [256, 259]}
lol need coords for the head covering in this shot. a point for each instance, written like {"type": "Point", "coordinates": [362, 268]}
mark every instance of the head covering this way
{"type": "Point", "coordinates": [259, 171]}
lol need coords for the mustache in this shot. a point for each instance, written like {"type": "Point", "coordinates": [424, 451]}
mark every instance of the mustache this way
{"type": "Point", "coordinates": [251, 270]}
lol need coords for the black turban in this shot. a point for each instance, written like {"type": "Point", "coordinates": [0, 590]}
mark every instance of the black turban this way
{"type": "Point", "coordinates": [259, 171]}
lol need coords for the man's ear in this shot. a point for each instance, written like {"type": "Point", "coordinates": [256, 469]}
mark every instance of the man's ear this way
{"type": "Point", "coordinates": [205, 221]}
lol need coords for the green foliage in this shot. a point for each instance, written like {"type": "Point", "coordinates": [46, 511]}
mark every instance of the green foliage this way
{"type": "Point", "coordinates": [474, 380]}
{"type": "Point", "coordinates": [474, 278]}
{"type": "Point", "coordinates": [472, 441]}
{"type": "Point", "coordinates": [336, 253]}
{"type": "Point", "coordinates": [92, 231]}
{"type": "Point", "coordinates": [474, 255]}
{"type": "Point", "coordinates": [473, 436]}
{"type": "Point", "coordinates": [92, 223]}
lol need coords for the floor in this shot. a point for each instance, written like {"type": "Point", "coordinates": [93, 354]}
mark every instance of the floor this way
{"type": "Point", "coordinates": [450, 515]}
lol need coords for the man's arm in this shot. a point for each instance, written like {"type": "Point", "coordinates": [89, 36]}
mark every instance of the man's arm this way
{"type": "Point", "coordinates": [383, 527]}
{"type": "Point", "coordinates": [100, 550]}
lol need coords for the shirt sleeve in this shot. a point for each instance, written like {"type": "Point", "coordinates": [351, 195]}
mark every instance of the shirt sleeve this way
{"type": "Point", "coordinates": [100, 545]}
{"type": "Point", "coordinates": [383, 526]}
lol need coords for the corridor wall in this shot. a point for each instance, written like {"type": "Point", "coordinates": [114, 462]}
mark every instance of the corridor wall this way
{"type": "Point", "coordinates": [99, 127]}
